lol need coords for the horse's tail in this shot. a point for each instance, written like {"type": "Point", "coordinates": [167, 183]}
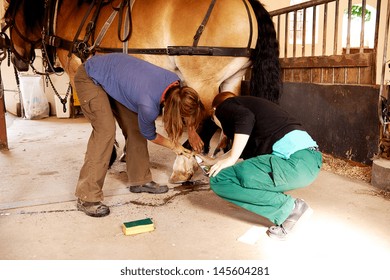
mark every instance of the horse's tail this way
{"type": "Point", "coordinates": [265, 78]}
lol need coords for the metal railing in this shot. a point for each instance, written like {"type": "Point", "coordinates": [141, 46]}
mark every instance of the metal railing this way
{"type": "Point", "coordinates": [316, 10]}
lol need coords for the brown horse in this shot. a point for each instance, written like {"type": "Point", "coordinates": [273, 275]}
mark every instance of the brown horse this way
{"type": "Point", "coordinates": [218, 40]}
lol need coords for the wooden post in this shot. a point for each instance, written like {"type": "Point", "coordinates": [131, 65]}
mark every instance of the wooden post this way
{"type": "Point", "coordinates": [3, 127]}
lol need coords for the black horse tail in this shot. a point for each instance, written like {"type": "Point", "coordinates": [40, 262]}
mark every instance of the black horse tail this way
{"type": "Point", "coordinates": [265, 77]}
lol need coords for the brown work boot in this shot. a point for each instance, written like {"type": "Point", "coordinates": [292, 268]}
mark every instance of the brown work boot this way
{"type": "Point", "coordinates": [151, 187]}
{"type": "Point", "coordinates": [93, 209]}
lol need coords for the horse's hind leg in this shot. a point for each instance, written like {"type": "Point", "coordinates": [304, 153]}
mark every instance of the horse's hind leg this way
{"type": "Point", "coordinates": [233, 83]}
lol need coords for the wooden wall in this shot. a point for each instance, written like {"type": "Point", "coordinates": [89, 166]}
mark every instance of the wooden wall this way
{"type": "Point", "coordinates": [352, 69]}
{"type": "Point", "coordinates": [342, 119]}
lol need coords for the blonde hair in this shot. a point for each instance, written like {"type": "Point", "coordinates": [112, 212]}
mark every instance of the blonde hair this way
{"type": "Point", "coordinates": [183, 107]}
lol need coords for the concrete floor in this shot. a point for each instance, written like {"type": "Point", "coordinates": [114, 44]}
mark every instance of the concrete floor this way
{"type": "Point", "coordinates": [39, 220]}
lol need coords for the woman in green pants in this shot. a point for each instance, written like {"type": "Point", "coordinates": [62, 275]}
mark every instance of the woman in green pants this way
{"type": "Point", "coordinates": [279, 155]}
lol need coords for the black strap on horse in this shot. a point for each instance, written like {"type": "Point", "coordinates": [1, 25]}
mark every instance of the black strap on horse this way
{"type": "Point", "coordinates": [81, 46]}
{"type": "Point", "coordinates": [48, 29]}
{"type": "Point", "coordinates": [186, 50]}
{"type": "Point", "coordinates": [203, 24]}
{"type": "Point", "coordinates": [121, 10]}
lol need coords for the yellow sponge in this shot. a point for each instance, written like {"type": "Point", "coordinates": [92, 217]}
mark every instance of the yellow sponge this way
{"type": "Point", "coordinates": [139, 226]}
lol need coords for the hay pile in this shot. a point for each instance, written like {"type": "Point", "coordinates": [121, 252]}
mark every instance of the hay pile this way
{"type": "Point", "coordinates": [352, 170]}
{"type": "Point", "coordinates": [346, 168]}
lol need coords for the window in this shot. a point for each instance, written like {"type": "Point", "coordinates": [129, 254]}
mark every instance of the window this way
{"type": "Point", "coordinates": [299, 24]}
{"type": "Point", "coordinates": [356, 24]}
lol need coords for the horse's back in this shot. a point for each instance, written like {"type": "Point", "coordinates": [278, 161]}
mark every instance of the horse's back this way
{"type": "Point", "coordinates": [175, 22]}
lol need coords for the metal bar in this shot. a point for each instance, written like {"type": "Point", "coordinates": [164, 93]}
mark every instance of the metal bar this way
{"type": "Point", "coordinates": [348, 45]}
{"type": "Point", "coordinates": [384, 62]}
{"type": "Point", "coordinates": [313, 39]}
{"type": "Point", "coordinates": [378, 9]}
{"type": "Point", "coordinates": [295, 34]}
{"type": "Point", "coordinates": [304, 32]}
{"type": "Point", "coordinates": [336, 28]}
{"type": "Point", "coordinates": [3, 125]}
{"type": "Point", "coordinates": [362, 26]}
{"type": "Point", "coordinates": [278, 28]}
{"type": "Point", "coordinates": [301, 6]}
{"type": "Point", "coordinates": [286, 39]}
{"type": "Point", "coordinates": [325, 29]}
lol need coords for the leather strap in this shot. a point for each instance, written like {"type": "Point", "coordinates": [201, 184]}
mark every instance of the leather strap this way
{"type": "Point", "coordinates": [203, 24]}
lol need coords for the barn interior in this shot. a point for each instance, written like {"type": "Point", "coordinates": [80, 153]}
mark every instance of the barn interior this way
{"type": "Point", "coordinates": [39, 220]}
{"type": "Point", "coordinates": [336, 89]}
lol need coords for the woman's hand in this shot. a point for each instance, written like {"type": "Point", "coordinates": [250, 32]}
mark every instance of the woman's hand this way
{"type": "Point", "coordinates": [177, 148]}
{"type": "Point", "coordinates": [195, 141]}
{"type": "Point", "coordinates": [180, 150]}
{"type": "Point", "coordinates": [221, 164]}
{"type": "Point", "coordinates": [230, 158]}
{"type": "Point", "coordinates": [207, 160]}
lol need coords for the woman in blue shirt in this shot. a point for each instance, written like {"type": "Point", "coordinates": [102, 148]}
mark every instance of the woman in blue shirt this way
{"type": "Point", "coordinates": [279, 155]}
{"type": "Point", "coordinates": [132, 91]}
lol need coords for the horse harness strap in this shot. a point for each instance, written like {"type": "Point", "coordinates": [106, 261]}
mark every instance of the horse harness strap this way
{"type": "Point", "coordinates": [80, 46]}
{"type": "Point", "coordinates": [103, 31]}
{"type": "Point", "coordinates": [203, 24]}
{"type": "Point", "coordinates": [186, 50]}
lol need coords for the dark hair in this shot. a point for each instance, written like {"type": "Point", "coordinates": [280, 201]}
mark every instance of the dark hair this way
{"type": "Point", "coordinates": [220, 97]}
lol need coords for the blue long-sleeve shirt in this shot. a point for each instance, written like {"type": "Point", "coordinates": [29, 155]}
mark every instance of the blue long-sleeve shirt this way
{"type": "Point", "coordinates": [135, 83]}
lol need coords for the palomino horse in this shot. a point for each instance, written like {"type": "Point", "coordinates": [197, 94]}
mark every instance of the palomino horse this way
{"type": "Point", "coordinates": [210, 44]}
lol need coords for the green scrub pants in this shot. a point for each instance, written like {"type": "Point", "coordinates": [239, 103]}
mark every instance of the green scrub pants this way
{"type": "Point", "coordinates": [258, 184]}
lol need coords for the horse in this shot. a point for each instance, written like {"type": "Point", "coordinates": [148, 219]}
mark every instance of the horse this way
{"type": "Point", "coordinates": [210, 44]}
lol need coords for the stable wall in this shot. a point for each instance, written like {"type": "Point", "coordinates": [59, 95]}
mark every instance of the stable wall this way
{"type": "Point", "coordinates": [342, 119]}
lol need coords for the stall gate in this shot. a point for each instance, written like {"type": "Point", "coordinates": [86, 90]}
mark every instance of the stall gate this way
{"type": "Point", "coordinates": [333, 69]}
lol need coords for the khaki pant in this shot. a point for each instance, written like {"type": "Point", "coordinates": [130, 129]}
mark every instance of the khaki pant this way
{"type": "Point", "coordinates": [96, 107]}
{"type": "Point", "coordinates": [137, 154]}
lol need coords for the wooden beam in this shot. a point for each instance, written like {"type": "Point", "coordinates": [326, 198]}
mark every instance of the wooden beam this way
{"type": "Point", "coordinates": [333, 61]}
{"type": "Point", "coordinates": [3, 126]}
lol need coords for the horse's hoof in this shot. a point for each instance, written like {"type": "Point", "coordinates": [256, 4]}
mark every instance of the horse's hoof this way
{"type": "Point", "coordinates": [183, 169]}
